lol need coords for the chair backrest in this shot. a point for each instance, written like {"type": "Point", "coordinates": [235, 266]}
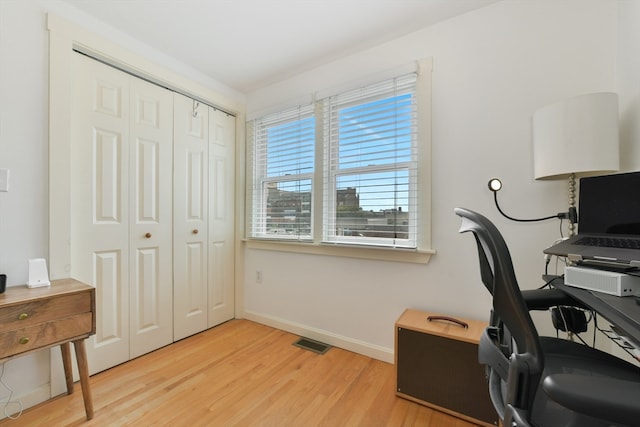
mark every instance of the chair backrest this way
{"type": "Point", "coordinates": [509, 307]}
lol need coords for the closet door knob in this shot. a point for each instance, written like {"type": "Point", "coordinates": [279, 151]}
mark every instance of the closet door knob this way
{"type": "Point", "coordinates": [195, 231]}
{"type": "Point", "coordinates": [148, 235]}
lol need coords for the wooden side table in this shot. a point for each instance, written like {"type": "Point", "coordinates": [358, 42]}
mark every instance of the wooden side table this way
{"type": "Point", "coordinates": [33, 319]}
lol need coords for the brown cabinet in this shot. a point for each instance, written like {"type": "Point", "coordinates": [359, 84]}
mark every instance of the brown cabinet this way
{"type": "Point", "coordinates": [39, 318]}
{"type": "Point", "coordinates": [437, 365]}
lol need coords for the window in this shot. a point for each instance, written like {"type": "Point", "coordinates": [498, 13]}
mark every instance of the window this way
{"type": "Point", "coordinates": [371, 165]}
{"type": "Point", "coordinates": [347, 170]}
{"type": "Point", "coordinates": [283, 167]}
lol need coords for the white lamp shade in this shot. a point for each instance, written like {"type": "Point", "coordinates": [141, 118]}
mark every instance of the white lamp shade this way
{"type": "Point", "coordinates": [578, 135]}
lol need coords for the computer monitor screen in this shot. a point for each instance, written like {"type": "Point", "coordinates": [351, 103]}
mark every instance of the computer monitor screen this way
{"type": "Point", "coordinates": [610, 204]}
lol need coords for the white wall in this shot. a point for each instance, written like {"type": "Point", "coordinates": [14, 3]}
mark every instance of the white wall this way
{"type": "Point", "coordinates": [24, 100]}
{"type": "Point", "coordinates": [493, 68]}
{"type": "Point", "coordinates": [629, 83]}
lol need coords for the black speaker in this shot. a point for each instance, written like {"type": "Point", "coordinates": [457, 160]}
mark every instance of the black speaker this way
{"type": "Point", "coordinates": [437, 365]}
{"type": "Point", "coordinates": [569, 319]}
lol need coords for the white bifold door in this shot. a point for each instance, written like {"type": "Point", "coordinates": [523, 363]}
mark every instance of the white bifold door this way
{"type": "Point", "coordinates": [203, 216]}
{"type": "Point", "coordinates": [141, 198]}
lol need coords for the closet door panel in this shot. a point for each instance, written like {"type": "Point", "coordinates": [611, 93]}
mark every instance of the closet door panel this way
{"type": "Point", "coordinates": [151, 278]}
{"type": "Point", "coordinates": [221, 217]}
{"type": "Point", "coordinates": [109, 294]}
{"type": "Point", "coordinates": [190, 221]}
{"type": "Point", "coordinates": [107, 186]}
{"type": "Point", "coordinates": [192, 284]}
{"type": "Point", "coordinates": [100, 203]}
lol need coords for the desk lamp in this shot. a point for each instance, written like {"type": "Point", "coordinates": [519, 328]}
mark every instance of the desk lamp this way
{"type": "Point", "coordinates": [576, 137]}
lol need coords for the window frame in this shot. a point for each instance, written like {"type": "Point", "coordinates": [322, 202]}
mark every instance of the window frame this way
{"type": "Point", "coordinates": [317, 245]}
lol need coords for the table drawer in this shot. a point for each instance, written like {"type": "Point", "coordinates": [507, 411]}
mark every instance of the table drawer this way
{"type": "Point", "coordinates": [44, 334]}
{"type": "Point", "coordinates": [43, 310]}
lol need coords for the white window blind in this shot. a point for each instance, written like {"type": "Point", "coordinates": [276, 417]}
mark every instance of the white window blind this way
{"type": "Point", "coordinates": [370, 179]}
{"type": "Point", "coordinates": [282, 158]}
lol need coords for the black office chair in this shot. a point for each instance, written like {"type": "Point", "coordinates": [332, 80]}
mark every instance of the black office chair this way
{"type": "Point", "coordinates": [543, 381]}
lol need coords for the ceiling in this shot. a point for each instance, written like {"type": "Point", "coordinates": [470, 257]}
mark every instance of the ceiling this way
{"type": "Point", "coordinates": [248, 44]}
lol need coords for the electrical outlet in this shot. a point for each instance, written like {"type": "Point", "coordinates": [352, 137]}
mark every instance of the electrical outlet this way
{"type": "Point", "coordinates": [258, 276]}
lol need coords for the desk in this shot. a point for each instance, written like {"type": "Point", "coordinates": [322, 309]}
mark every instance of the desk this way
{"type": "Point", "coordinates": [623, 312]}
{"type": "Point", "coordinates": [33, 319]}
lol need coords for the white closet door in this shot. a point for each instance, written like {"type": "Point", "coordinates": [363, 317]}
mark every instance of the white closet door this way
{"type": "Point", "coordinates": [100, 203]}
{"type": "Point", "coordinates": [150, 187]}
{"type": "Point", "coordinates": [190, 216]}
{"type": "Point", "coordinates": [221, 216]}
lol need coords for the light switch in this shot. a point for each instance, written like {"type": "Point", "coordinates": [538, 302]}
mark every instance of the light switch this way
{"type": "Point", "coordinates": [4, 179]}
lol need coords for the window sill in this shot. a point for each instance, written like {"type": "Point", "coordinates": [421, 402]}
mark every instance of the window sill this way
{"type": "Point", "coordinates": [372, 253]}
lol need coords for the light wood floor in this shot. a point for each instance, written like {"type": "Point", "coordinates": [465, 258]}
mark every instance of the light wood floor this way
{"type": "Point", "coordinates": [241, 374]}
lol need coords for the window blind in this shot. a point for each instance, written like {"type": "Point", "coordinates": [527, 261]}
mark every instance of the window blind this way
{"type": "Point", "coordinates": [283, 159]}
{"type": "Point", "coordinates": [370, 162]}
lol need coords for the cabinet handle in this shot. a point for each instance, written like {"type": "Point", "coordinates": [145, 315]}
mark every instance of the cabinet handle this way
{"type": "Point", "coordinates": [23, 316]}
{"type": "Point", "coordinates": [195, 231]}
{"type": "Point", "coordinates": [449, 319]}
{"type": "Point", "coordinates": [24, 340]}
{"type": "Point", "coordinates": [148, 235]}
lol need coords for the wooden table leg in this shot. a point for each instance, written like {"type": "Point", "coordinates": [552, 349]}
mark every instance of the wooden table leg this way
{"type": "Point", "coordinates": [83, 369]}
{"type": "Point", "coordinates": [68, 369]}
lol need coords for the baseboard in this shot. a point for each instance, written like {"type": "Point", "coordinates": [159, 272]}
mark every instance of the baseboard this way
{"type": "Point", "coordinates": [360, 347]}
{"type": "Point", "coordinates": [29, 399]}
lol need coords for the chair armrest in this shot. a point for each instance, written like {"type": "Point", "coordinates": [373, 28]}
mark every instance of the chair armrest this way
{"type": "Point", "coordinates": [543, 299]}
{"type": "Point", "coordinates": [601, 397]}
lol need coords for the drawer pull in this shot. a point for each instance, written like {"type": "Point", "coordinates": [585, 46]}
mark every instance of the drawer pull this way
{"type": "Point", "coordinates": [148, 235]}
{"type": "Point", "coordinates": [24, 340]}
{"type": "Point", "coordinates": [449, 319]}
{"type": "Point", "coordinates": [195, 231]}
{"type": "Point", "coordinates": [23, 316]}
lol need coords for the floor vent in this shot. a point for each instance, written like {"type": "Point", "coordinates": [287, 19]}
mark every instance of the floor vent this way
{"type": "Point", "coordinates": [311, 345]}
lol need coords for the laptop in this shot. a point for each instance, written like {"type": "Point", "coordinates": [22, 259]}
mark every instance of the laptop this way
{"type": "Point", "coordinates": [608, 224]}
